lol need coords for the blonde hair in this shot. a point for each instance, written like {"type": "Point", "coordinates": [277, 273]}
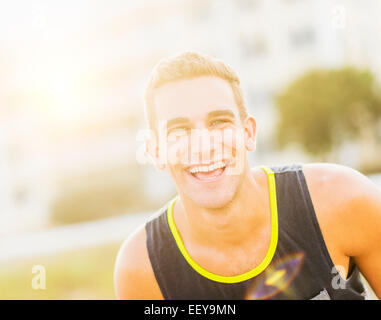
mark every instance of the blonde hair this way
{"type": "Point", "coordinates": [190, 65]}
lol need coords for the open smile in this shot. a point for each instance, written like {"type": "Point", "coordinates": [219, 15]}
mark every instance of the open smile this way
{"type": "Point", "coordinates": [208, 173]}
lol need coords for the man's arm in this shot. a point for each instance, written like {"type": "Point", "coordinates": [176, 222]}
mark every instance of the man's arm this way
{"type": "Point", "coordinates": [349, 208]}
{"type": "Point", "coordinates": [133, 276]}
{"type": "Point", "coordinates": [365, 247]}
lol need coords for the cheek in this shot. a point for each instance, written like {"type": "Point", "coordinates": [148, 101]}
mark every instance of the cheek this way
{"type": "Point", "coordinates": [233, 139]}
{"type": "Point", "coordinates": [177, 152]}
{"type": "Point", "coordinates": [234, 143]}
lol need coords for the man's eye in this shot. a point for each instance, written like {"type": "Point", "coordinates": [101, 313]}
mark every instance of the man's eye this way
{"type": "Point", "coordinates": [178, 131]}
{"type": "Point", "coordinates": [217, 122]}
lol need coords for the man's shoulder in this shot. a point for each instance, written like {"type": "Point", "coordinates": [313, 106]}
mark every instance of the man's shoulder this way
{"type": "Point", "coordinates": [345, 201]}
{"type": "Point", "coordinates": [132, 257]}
{"type": "Point", "coordinates": [338, 187]}
{"type": "Point", "coordinates": [133, 274]}
{"type": "Point", "coordinates": [134, 246]}
{"type": "Point", "coordinates": [329, 183]}
{"type": "Point", "coordinates": [327, 177]}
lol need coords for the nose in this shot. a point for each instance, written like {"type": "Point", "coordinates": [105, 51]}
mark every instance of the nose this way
{"type": "Point", "coordinates": [203, 146]}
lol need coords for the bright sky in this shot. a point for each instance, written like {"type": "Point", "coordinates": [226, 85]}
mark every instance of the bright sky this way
{"type": "Point", "coordinates": [46, 47]}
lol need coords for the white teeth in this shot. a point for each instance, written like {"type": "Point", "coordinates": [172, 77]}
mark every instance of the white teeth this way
{"type": "Point", "coordinates": [207, 168]}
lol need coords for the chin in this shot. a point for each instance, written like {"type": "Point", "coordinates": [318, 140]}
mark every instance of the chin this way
{"type": "Point", "coordinates": [215, 200]}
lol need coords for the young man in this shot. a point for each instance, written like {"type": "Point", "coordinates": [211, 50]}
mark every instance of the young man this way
{"type": "Point", "coordinates": [235, 232]}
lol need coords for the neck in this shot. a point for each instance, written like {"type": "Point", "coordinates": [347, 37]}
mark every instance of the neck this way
{"type": "Point", "coordinates": [237, 223]}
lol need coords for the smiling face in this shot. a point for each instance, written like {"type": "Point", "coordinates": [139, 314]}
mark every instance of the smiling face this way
{"type": "Point", "coordinates": [205, 141]}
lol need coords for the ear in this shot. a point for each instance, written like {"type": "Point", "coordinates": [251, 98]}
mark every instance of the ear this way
{"type": "Point", "coordinates": [152, 151]}
{"type": "Point", "coordinates": [250, 130]}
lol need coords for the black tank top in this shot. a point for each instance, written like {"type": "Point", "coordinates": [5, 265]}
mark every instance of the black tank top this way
{"type": "Point", "coordinates": [299, 267]}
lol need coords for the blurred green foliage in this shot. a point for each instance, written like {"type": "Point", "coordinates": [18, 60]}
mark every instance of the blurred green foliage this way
{"type": "Point", "coordinates": [324, 108]}
{"type": "Point", "coordinates": [100, 194]}
{"type": "Point", "coordinates": [80, 274]}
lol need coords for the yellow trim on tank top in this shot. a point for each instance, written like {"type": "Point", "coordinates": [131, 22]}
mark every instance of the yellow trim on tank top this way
{"type": "Point", "coordinates": [249, 274]}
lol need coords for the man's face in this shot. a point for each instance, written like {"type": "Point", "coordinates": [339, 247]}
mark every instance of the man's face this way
{"type": "Point", "coordinates": [203, 139]}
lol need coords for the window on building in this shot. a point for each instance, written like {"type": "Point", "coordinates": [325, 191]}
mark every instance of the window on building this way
{"type": "Point", "coordinates": [247, 4]}
{"type": "Point", "coordinates": [20, 195]}
{"type": "Point", "coordinates": [254, 46]}
{"type": "Point", "coordinates": [302, 37]}
{"type": "Point", "coordinates": [202, 12]}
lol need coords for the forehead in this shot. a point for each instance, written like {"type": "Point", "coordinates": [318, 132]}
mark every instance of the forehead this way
{"type": "Point", "coordinates": [193, 98]}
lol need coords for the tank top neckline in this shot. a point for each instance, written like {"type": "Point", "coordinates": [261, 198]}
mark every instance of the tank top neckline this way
{"type": "Point", "coordinates": [251, 273]}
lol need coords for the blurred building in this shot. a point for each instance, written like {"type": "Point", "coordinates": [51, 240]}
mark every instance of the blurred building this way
{"type": "Point", "coordinates": [71, 96]}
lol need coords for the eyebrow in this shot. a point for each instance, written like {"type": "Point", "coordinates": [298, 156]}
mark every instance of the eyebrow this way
{"type": "Point", "coordinates": [175, 121]}
{"type": "Point", "coordinates": [211, 115]}
{"type": "Point", "coordinates": [218, 113]}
